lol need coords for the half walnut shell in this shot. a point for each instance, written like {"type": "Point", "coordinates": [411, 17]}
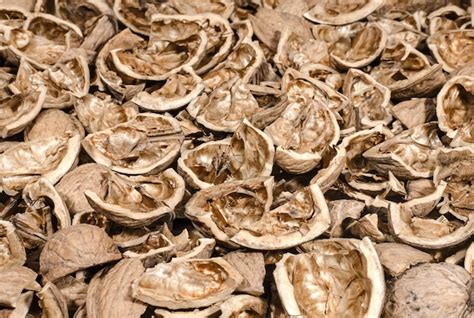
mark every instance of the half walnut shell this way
{"type": "Point", "coordinates": [18, 110]}
{"type": "Point", "coordinates": [138, 15]}
{"type": "Point", "coordinates": [306, 128]}
{"type": "Point", "coordinates": [336, 277]}
{"type": "Point", "coordinates": [44, 39]}
{"type": "Point", "coordinates": [455, 111]}
{"type": "Point", "coordinates": [243, 63]}
{"type": "Point", "coordinates": [341, 12]}
{"type": "Point", "coordinates": [187, 283]}
{"type": "Point", "coordinates": [108, 75]}
{"type": "Point", "coordinates": [354, 45]}
{"type": "Point", "coordinates": [412, 224]}
{"type": "Point", "coordinates": [454, 166]}
{"type": "Point", "coordinates": [218, 31]}
{"type": "Point", "coordinates": [99, 112]}
{"type": "Point", "coordinates": [179, 90]}
{"type": "Point", "coordinates": [410, 154]}
{"type": "Point", "coordinates": [452, 49]}
{"type": "Point", "coordinates": [225, 107]}
{"type": "Point", "coordinates": [28, 161]}
{"type": "Point", "coordinates": [109, 295]}
{"type": "Point", "coordinates": [146, 144]}
{"type": "Point", "coordinates": [138, 200]}
{"type": "Point", "coordinates": [11, 246]}
{"type": "Point", "coordinates": [75, 248]}
{"type": "Point", "coordinates": [241, 213]}
{"type": "Point", "coordinates": [249, 153]}
{"type": "Point", "coordinates": [369, 98]}
{"type": "Point", "coordinates": [407, 72]}
{"type": "Point", "coordinates": [165, 53]}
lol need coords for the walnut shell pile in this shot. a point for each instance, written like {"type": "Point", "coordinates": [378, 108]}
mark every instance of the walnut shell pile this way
{"type": "Point", "coordinates": [236, 158]}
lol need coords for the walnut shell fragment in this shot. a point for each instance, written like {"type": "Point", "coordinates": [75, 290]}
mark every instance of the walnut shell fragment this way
{"type": "Point", "coordinates": [243, 305]}
{"type": "Point", "coordinates": [75, 183]}
{"type": "Point", "coordinates": [454, 110]}
{"type": "Point", "coordinates": [109, 293]}
{"type": "Point", "coordinates": [138, 200]}
{"type": "Point", "coordinates": [19, 110]}
{"type": "Point", "coordinates": [240, 212]}
{"type": "Point", "coordinates": [148, 143]}
{"type": "Point", "coordinates": [38, 194]}
{"type": "Point", "coordinates": [341, 12]}
{"type": "Point", "coordinates": [452, 49]}
{"type": "Point", "coordinates": [370, 98]}
{"type": "Point", "coordinates": [178, 91]}
{"type": "Point", "coordinates": [75, 248]}
{"type": "Point", "coordinates": [25, 162]}
{"type": "Point", "coordinates": [248, 153]}
{"type": "Point", "coordinates": [13, 280]}
{"type": "Point", "coordinates": [397, 258]}
{"type": "Point", "coordinates": [410, 223]}
{"type": "Point", "coordinates": [315, 283]}
{"type": "Point", "coordinates": [469, 260]}
{"type": "Point", "coordinates": [252, 268]}
{"type": "Point", "coordinates": [52, 301]}
{"type": "Point", "coordinates": [189, 283]}
{"type": "Point", "coordinates": [410, 154]}
{"type": "Point", "coordinates": [11, 246]}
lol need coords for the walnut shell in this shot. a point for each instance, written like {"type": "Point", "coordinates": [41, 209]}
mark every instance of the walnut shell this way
{"type": "Point", "coordinates": [189, 283]}
{"type": "Point", "coordinates": [75, 248]}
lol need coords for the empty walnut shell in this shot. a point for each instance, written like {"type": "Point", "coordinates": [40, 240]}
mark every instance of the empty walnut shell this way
{"type": "Point", "coordinates": [25, 162]}
{"type": "Point", "coordinates": [243, 63]}
{"type": "Point", "coordinates": [11, 246]}
{"type": "Point", "coordinates": [240, 212]}
{"type": "Point", "coordinates": [225, 107]}
{"type": "Point", "coordinates": [19, 110]}
{"type": "Point", "coordinates": [341, 12]}
{"type": "Point", "coordinates": [454, 110]}
{"type": "Point", "coordinates": [146, 144]}
{"type": "Point", "coordinates": [138, 16]}
{"type": "Point", "coordinates": [454, 168]}
{"type": "Point", "coordinates": [46, 37]}
{"type": "Point", "coordinates": [335, 277]}
{"type": "Point", "coordinates": [138, 200]}
{"type": "Point", "coordinates": [249, 153]}
{"type": "Point", "coordinates": [452, 49]}
{"type": "Point", "coordinates": [75, 248]}
{"type": "Point", "coordinates": [166, 53]}
{"type": "Point", "coordinates": [187, 283]}
{"type": "Point", "coordinates": [410, 154]}
{"type": "Point", "coordinates": [107, 73]}
{"type": "Point", "coordinates": [411, 224]}
{"type": "Point", "coordinates": [354, 45]}
{"type": "Point", "coordinates": [179, 89]}
{"type": "Point", "coordinates": [370, 98]}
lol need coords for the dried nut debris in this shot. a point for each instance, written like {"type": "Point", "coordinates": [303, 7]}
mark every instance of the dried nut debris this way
{"type": "Point", "coordinates": [243, 213]}
{"type": "Point", "coordinates": [416, 292]}
{"type": "Point", "coordinates": [224, 158]}
{"type": "Point", "coordinates": [332, 278]}
{"type": "Point", "coordinates": [75, 248]}
{"type": "Point", "coordinates": [186, 284]}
